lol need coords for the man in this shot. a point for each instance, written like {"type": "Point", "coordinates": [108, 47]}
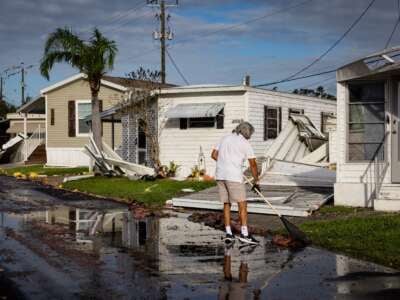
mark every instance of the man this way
{"type": "Point", "coordinates": [230, 154]}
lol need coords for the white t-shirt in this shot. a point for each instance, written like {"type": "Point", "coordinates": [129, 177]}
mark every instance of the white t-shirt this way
{"type": "Point", "coordinates": [233, 151]}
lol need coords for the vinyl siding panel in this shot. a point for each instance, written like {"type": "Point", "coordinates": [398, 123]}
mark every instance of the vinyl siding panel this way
{"type": "Point", "coordinates": [57, 134]}
{"type": "Point", "coordinates": [183, 145]}
{"type": "Point", "coordinates": [258, 99]}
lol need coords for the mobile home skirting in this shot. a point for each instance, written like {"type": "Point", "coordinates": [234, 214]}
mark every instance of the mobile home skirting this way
{"type": "Point", "coordinates": [67, 157]}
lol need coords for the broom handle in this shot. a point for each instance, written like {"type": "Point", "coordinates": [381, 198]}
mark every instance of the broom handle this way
{"type": "Point", "coordinates": [262, 196]}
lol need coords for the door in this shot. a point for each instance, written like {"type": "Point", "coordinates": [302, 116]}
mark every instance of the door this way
{"type": "Point", "coordinates": [141, 144]}
{"type": "Point", "coordinates": [395, 130]}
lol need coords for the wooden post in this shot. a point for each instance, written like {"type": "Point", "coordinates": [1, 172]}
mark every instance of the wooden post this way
{"type": "Point", "coordinates": [112, 133]}
{"type": "Point", "coordinates": [26, 138]}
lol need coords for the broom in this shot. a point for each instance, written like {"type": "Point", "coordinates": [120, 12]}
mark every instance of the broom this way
{"type": "Point", "coordinates": [295, 233]}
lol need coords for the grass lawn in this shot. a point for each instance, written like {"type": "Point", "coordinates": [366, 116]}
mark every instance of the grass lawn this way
{"type": "Point", "coordinates": [49, 171]}
{"type": "Point", "coordinates": [150, 193]}
{"type": "Point", "coordinates": [359, 233]}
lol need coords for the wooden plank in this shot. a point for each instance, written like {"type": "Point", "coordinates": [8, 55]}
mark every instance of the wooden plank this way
{"type": "Point", "coordinates": [251, 207]}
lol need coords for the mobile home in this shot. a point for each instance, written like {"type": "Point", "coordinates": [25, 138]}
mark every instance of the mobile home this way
{"type": "Point", "coordinates": [368, 169]}
{"type": "Point", "coordinates": [191, 119]}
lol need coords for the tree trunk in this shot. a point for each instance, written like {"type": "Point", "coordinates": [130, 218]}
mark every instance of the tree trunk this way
{"type": "Point", "coordinates": [96, 121]}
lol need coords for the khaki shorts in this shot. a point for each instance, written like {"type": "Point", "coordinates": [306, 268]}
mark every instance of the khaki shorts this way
{"type": "Point", "coordinates": [231, 192]}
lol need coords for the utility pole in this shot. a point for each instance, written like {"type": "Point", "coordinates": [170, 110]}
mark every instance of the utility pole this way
{"type": "Point", "coordinates": [20, 69]}
{"type": "Point", "coordinates": [162, 40]}
{"type": "Point", "coordinates": [22, 84]}
{"type": "Point", "coordinates": [163, 34]}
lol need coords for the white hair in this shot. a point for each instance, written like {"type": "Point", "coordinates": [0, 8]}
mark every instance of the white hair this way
{"type": "Point", "coordinates": [245, 129]}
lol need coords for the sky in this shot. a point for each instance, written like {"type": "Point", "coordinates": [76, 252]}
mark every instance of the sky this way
{"type": "Point", "coordinates": [215, 42]}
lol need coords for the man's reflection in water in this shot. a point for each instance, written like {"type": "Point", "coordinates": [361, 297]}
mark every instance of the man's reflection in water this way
{"type": "Point", "coordinates": [236, 288]}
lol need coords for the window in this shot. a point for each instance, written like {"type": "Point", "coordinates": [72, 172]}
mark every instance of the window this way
{"type": "Point", "coordinates": [295, 111]}
{"type": "Point", "coordinates": [366, 121]}
{"type": "Point", "coordinates": [52, 121]}
{"type": "Point", "coordinates": [83, 109]}
{"type": "Point", "coordinates": [325, 122]}
{"type": "Point", "coordinates": [141, 143]}
{"type": "Point", "coordinates": [272, 122]}
{"type": "Point", "coordinates": [201, 122]}
{"type": "Point", "coordinates": [205, 122]}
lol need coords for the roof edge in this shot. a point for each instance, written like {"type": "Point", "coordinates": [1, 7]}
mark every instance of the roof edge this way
{"type": "Point", "coordinates": [78, 77]}
{"type": "Point", "coordinates": [238, 88]}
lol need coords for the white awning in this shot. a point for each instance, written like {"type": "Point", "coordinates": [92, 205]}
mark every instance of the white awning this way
{"type": "Point", "coordinates": [195, 110]}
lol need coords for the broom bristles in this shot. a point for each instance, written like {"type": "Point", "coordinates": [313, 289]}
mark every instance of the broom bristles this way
{"type": "Point", "coordinates": [295, 232]}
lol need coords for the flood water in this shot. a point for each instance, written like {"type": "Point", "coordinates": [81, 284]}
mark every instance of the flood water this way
{"type": "Point", "coordinates": [67, 253]}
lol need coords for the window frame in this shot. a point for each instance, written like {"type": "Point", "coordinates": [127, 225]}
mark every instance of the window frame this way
{"type": "Point", "coordinates": [201, 127]}
{"type": "Point", "coordinates": [279, 121]}
{"type": "Point", "coordinates": [221, 114]}
{"type": "Point", "coordinates": [77, 133]}
{"type": "Point", "coordinates": [383, 122]}
{"type": "Point", "coordinates": [290, 112]}
{"type": "Point", "coordinates": [325, 114]}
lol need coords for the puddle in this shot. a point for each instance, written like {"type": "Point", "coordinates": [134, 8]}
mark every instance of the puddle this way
{"type": "Point", "coordinates": [68, 253]}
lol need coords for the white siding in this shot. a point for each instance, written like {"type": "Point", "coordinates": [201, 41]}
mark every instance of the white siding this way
{"type": "Point", "coordinates": [183, 146]}
{"type": "Point", "coordinates": [313, 107]}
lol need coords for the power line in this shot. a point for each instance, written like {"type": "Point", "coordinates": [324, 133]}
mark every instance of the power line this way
{"type": "Point", "coordinates": [119, 17]}
{"type": "Point", "coordinates": [230, 27]}
{"type": "Point", "coordinates": [295, 78]}
{"type": "Point", "coordinates": [337, 42]}
{"type": "Point", "coordinates": [176, 67]}
{"type": "Point", "coordinates": [319, 82]}
{"type": "Point", "coordinates": [127, 13]}
{"type": "Point", "coordinates": [119, 27]}
{"type": "Point", "coordinates": [395, 25]}
{"type": "Point", "coordinates": [316, 74]}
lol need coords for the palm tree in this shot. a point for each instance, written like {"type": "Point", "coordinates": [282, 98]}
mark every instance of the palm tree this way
{"type": "Point", "coordinates": [94, 58]}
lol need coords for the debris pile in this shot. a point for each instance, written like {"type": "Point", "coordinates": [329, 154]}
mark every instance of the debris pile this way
{"type": "Point", "coordinates": [109, 163]}
{"type": "Point", "coordinates": [299, 156]}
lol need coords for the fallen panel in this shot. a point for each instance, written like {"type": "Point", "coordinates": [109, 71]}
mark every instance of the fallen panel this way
{"type": "Point", "coordinates": [139, 169]}
{"type": "Point", "coordinates": [289, 201]}
{"type": "Point", "coordinates": [251, 207]}
{"type": "Point", "coordinates": [298, 174]}
{"type": "Point", "coordinates": [297, 140]}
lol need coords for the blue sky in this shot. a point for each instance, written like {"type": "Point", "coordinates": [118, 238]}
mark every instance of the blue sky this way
{"type": "Point", "coordinates": [269, 49]}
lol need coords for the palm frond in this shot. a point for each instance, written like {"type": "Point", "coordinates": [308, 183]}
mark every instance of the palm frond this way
{"type": "Point", "coordinates": [95, 57]}
{"type": "Point", "coordinates": [61, 45]}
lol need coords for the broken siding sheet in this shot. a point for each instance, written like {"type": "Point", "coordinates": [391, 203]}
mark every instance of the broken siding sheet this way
{"type": "Point", "coordinates": [257, 99]}
{"type": "Point", "coordinates": [289, 200]}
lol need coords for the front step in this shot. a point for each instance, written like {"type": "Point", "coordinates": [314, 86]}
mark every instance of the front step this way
{"type": "Point", "coordinates": [38, 156]}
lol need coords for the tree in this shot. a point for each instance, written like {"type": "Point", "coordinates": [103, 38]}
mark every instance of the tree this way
{"type": "Point", "coordinates": [320, 91]}
{"type": "Point", "coordinates": [94, 58]}
{"type": "Point", "coordinates": [142, 102]}
{"type": "Point", "coordinates": [6, 108]}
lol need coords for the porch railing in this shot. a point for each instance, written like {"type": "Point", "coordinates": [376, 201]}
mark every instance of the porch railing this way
{"type": "Point", "coordinates": [374, 174]}
{"type": "Point", "coordinates": [35, 140]}
{"type": "Point", "coordinates": [30, 144]}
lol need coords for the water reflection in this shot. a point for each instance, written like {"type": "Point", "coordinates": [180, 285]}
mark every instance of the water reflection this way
{"type": "Point", "coordinates": [236, 287]}
{"type": "Point", "coordinates": [173, 258]}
